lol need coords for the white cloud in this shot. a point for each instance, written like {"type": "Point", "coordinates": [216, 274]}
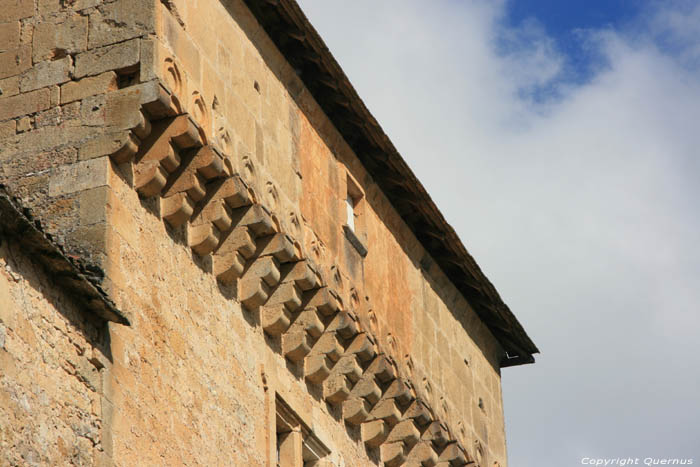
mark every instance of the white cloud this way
{"type": "Point", "coordinates": [582, 208]}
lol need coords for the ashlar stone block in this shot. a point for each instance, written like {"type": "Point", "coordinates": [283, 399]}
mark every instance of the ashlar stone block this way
{"type": "Point", "coordinates": [387, 410]}
{"type": "Point", "coordinates": [177, 209]}
{"type": "Point", "coordinates": [15, 61]}
{"type": "Point", "coordinates": [90, 86]}
{"type": "Point", "coordinates": [9, 36]}
{"type": "Point", "coordinates": [239, 240]}
{"type": "Point", "coordinates": [336, 388]}
{"type": "Point", "coordinates": [296, 344]}
{"type": "Point", "coordinates": [45, 74]}
{"type": "Point", "coordinates": [302, 273]}
{"type": "Point", "coordinates": [418, 412]}
{"type": "Point", "coordinates": [55, 40]}
{"type": "Point", "coordinates": [453, 454]}
{"type": "Point", "coordinates": [288, 295]}
{"type": "Point", "coordinates": [122, 20]}
{"type": "Point", "coordinates": [16, 9]}
{"type": "Point", "coordinates": [364, 347]}
{"type": "Point", "coordinates": [121, 146]}
{"type": "Point", "coordinates": [112, 57]}
{"type": "Point", "coordinates": [203, 239]}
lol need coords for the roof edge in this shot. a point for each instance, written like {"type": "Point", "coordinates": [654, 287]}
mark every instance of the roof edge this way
{"type": "Point", "coordinates": [302, 46]}
{"type": "Point", "coordinates": [81, 280]}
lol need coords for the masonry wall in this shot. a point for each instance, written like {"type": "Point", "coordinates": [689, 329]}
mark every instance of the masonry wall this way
{"type": "Point", "coordinates": [195, 377]}
{"type": "Point", "coordinates": [86, 86]}
{"type": "Point", "coordinates": [291, 153]}
{"type": "Point", "coordinates": [53, 361]}
{"type": "Point", "coordinates": [60, 60]}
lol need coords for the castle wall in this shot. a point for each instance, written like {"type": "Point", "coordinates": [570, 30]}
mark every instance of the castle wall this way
{"type": "Point", "coordinates": [53, 362]}
{"type": "Point", "coordinates": [195, 377]}
{"type": "Point", "coordinates": [295, 152]}
{"type": "Point", "coordinates": [61, 63]}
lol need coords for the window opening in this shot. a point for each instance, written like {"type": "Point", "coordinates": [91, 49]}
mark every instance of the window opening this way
{"type": "Point", "coordinates": [350, 205]}
{"type": "Point", "coordinates": [296, 445]}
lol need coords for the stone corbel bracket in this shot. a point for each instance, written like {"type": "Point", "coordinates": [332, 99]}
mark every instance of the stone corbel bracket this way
{"type": "Point", "coordinates": [165, 154]}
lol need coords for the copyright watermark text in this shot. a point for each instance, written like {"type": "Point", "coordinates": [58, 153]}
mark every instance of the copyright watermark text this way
{"type": "Point", "coordinates": [622, 461]}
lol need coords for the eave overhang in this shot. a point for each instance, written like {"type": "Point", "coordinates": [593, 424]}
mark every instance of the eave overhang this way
{"type": "Point", "coordinates": [79, 280]}
{"type": "Point", "coordinates": [304, 49]}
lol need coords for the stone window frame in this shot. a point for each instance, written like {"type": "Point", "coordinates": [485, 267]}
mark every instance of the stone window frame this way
{"type": "Point", "coordinates": [354, 206]}
{"type": "Point", "coordinates": [295, 444]}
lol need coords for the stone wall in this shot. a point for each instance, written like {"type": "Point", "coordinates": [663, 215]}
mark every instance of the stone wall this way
{"type": "Point", "coordinates": [173, 146]}
{"type": "Point", "coordinates": [54, 361]}
{"type": "Point", "coordinates": [61, 65]}
{"type": "Point", "coordinates": [287, 149]}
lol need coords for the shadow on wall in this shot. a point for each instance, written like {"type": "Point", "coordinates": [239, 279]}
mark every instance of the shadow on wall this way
{"type": "Point", "coordinates": [22, 266]}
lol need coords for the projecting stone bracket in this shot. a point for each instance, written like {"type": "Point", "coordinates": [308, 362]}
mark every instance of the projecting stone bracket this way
{"type": "Point", "coordinates": [164, 153]}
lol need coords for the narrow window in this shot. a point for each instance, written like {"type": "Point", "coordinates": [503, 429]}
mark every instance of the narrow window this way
{"type": "Point", "coordinates": [353, 197]}
{"type": "Point", "coordinates": [354, 223]}
{"type": "Point", "coordinates": [350, 205]}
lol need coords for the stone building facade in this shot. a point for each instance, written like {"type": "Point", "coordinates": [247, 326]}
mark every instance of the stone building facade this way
{"type": "Point", "coordinates": [213, 255]}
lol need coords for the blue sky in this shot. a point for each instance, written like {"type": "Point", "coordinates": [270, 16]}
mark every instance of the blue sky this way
{"type": "Point", "coordinates": [560, 18]}
{"type": "Point", "coordinates": [567, 132]}
{"type": "Point", "coordinates": [564, 21]}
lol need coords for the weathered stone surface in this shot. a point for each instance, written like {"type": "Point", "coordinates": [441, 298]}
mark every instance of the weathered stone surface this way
{"type": "Point", "coordinates": [15, 61]}
{"type": "Point", "coordinates": [44, 139]}
{"type": "Point", "coordinates": [356, 410]}
{"type": "Point", "coordinates": [45, 74]}
{"type": "Point", "coordinates": [422, 454]}
{"type": "Point", "coordinates": [336, 389]}
{"type": "Point", "coordinates": [9, 86]}
{"type": "Point", "coordinates": [23, 104]}
{"type": "Point", "coordinates": [387, 410]}
{"type": "Point", "coordinates": [275, 319]}
{"type": "Point", "coordinates": [86, 87]}
{"type": "Point", "coordinates": [55, 40]}
{"type": "Point", "coordinates": [202, 238]}
{"type": "Point", "coordinates": [177, 209]}
{"type": "Point", "coordinates": [286, 294]}
{"type": "Point", "coordinates": [116, 144]}
{"type": "Point", "coordinates": [119, 21]}
{"type": "Point", "coordinates": [24, 124]}
{"type": "Point", "coordinates": [392, 454]}
{"type": "Point", "coordinates": [7, 129]}
{"type": "Point", "coordinates": [9, 36]}
{"type": "Point", "coordinates": [48, 378]}
{"type": "Point", "coordinates": [80, 176]}
{"type": "Point", "coordinates": [111, 57]}
{"type": "Point", "coordinates": [16, 9]}
{"type": "Point", "coordinates": [368, 389]}
{"type": "Point", "coordinates": [374, 432]}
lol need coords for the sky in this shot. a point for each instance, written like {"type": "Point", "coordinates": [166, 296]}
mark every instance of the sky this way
{"type": "Point", "coordinates": [561, 141]}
